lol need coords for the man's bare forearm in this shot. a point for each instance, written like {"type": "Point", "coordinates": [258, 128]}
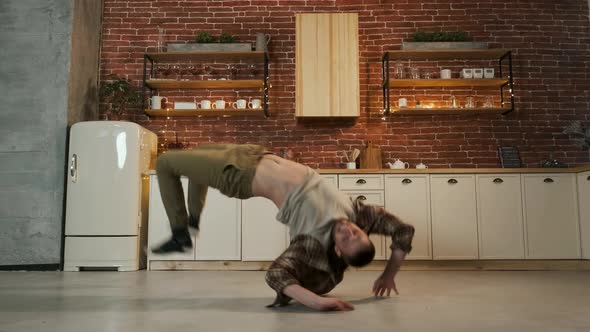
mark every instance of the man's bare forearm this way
{"type": "Point", "coordinates": [302, 295]}
{"type": "Point", "coordinates": [395, 261]}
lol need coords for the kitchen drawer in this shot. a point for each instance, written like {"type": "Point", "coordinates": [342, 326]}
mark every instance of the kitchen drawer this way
{"type": "Point", "coordinates": [360, 182]}
{"type": "Point", "coordinates": [367, 197]}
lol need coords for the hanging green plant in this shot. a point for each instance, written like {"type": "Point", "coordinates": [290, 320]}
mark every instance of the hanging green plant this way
{"type": "Point", "coordinates": [120, 94]}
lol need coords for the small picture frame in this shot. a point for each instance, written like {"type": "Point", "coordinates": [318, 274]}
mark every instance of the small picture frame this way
{"type": "Point", "coordinates": [509, 157]}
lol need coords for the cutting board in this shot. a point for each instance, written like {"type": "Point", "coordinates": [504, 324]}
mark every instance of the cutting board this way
{"type": "Point", "coordinates": [371, 157]}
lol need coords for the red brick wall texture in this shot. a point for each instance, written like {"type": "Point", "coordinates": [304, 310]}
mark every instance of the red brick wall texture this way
{"type": "Point", "coordinates": [549, 39]}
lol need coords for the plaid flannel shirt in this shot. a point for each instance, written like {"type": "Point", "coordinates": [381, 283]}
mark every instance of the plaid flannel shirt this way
{"type": "Point", "coordinates": [308, 263]}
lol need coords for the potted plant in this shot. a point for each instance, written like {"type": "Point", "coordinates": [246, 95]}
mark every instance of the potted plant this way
{"type": "Point", "coordinates": [441, 40]}
{"type": "Point", "coordinates": [205, 42]}
{"type": "Point", "coordinates": [119, 95]}
{"type": "Point", "coordinates": [226, 38]}
{"type": "Point", "coordinates": [205, 37]}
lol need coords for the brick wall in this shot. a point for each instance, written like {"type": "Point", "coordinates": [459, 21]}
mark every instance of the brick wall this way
{"type": "Point", "coordinates": [551, 55]}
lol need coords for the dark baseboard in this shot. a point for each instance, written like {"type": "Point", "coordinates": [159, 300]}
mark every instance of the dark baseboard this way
{"type": "Point", "coordinates": [30, 267]}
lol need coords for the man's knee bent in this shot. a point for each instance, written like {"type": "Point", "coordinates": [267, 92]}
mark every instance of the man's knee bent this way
{"type": "Point", "coordinates": [163, 163]}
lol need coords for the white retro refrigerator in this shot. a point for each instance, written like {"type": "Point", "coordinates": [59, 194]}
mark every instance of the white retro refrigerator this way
{"type": "Point", "coordinates": [107, 195]}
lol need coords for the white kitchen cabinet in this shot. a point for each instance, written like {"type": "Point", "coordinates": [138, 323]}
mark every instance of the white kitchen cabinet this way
{"type": "Point", "coordinates": [264, 238]}
{"type": "Point", "coordinates": [332, 178]}
{"type": "Point", "coordinates": [499, 215]}
{"type": "Point", "coordinates": [584, 204]}
{"type": "Point", "coordinates": [219, 236]}
{"type": "Point", "coordinates": [454, 217]}
{"type": "Point", "coordinates": [159, 227]}
{"type": "Point", "coordinates": [372, 198]}
{"type": "Point", "coordinates": [408, 197]}
{"type": "Point", "coordinates": [551, 216]}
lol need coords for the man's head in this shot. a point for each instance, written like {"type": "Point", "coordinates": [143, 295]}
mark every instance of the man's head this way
{"type": "Point", "coordinates": [352, 243]}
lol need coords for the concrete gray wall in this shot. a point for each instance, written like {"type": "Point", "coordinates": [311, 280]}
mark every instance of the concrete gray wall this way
{"type": "Point", "coordinates": [35, 58]}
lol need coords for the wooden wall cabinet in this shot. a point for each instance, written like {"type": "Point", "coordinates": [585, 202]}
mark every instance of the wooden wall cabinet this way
{"type": "Point", "coordinates": [327, 65]}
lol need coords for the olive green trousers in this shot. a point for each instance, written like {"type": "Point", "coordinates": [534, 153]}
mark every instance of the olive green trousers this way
{"type": "Point", "coordinates": [230, 168]}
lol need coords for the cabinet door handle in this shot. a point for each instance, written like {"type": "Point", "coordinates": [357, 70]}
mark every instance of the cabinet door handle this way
{"type": "Point", "coordinates": [588, 178]}
{"type": "Point", "coordinates": [452, 181]}
{"type": "Point", "coordinates": [406, 181]}
{"type": "Point", "coordinates": [361, 197]}
{"type": "Point", "coordinates": [74, 168]}
{"type": "Point", "coordinates": [361, 181]}
{"type": "Point", "coordinates": [498, 180]}
{"type": "Point", "coordinates": [548, 180]}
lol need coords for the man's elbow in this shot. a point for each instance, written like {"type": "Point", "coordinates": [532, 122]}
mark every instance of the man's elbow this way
{"type": "Point", "coordinates": [403, 237]}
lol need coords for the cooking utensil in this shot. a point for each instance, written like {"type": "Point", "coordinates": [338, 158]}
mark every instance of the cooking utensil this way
{"type": "Point", "coordinates": [355, 154]}
{"type": "Point", "coordinates": [371, 158]}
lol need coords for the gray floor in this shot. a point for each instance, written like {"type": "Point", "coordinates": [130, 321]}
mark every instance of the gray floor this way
{"type": "Point", "coordinates": [234, 301]}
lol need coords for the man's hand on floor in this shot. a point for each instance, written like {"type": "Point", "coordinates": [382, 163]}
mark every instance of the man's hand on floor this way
{"type": "Point", "coordinates": [332, 304]}
{"type": "Point", "coordinates": [385, 283]}
{"type": "Point", "coordinates": [314, 301]}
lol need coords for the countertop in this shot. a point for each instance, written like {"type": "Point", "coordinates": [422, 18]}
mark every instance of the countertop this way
{"type": "Point", "coordinates": [444, 170]}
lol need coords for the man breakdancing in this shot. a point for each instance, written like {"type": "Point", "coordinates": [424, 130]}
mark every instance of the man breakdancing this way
{"type": "Point", "coordinates": [328, 230]}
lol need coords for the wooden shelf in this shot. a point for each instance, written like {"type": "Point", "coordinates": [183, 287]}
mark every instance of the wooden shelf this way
{"type": "Point", "coordinates": [200, 113]}
{"type": "Point", "coordinates": [442, 111]}
{"type": "Point", "coordinates": [484, 82]}
{"type": "Point", "coordinates": [212, 84]}
{"type": "Point", "coordinates": [458, 54]}
{"type": "Point", "coordinates": [252, 56]}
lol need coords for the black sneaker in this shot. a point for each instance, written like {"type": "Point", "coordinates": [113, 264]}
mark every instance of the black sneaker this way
{"type": "Point", "coordinates": [180, 242]}
{"type": "Point", "coordinates": [193, 222]}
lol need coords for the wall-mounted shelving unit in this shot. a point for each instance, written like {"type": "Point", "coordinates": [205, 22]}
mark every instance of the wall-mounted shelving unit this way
{"type": "Point", "coordinates": [435, 55]}
{"type": "Point", "coordinates": [161, 84]}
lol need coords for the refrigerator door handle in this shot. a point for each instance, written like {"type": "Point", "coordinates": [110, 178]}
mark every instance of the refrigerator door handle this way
{"type": "Point", "coordinates": [74, 168]}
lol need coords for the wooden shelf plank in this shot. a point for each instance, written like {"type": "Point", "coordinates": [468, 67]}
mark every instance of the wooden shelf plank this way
{"type": "Point", "coordinates": [457, 54]}
{"type": "Point", "coordinates": [253, 56]}
{"type": "Point", "coordinates": [485, 82]}
{"type": "Point", "coordinates": [212, 84]}
{"type": "Point", "coordinates": [444, 111]}
{"type": "Point", "coordinates": [199, 113]}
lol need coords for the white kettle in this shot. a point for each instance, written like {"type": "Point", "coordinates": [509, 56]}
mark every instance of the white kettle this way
{"type": "Point", "coordinates": [398, 164]}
